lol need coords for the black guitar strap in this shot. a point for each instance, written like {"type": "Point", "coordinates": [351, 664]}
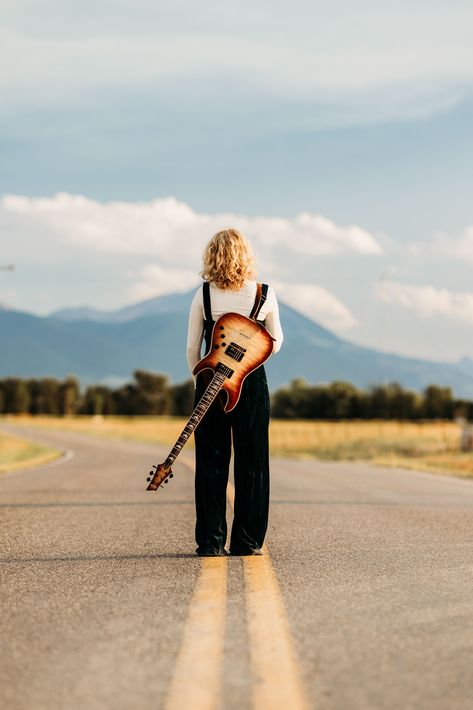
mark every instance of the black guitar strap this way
{"type": "Point", "coordinates": [206, 296]}
{"type": "Point", "coordinates": [261, 296]}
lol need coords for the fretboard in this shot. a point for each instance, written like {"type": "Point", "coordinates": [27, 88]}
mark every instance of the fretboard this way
{"type": "Point", "coordinates": [204, 403]}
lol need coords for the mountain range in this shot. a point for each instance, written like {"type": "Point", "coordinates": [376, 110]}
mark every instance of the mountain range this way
{"type": "Point", "coordinates": [106, 346]}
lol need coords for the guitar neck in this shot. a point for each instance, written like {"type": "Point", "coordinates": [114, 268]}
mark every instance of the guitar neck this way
{"type": "Point", "coordinates": [195, 418]}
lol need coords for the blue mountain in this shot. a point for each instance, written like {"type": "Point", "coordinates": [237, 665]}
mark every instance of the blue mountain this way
{"type": "Point", "coordinates": [101, 346]}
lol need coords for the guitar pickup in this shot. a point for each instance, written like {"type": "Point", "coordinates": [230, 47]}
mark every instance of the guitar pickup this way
{"type": "Point", "coordinates": [235, 351]}
{"type": "Point", "coordinates": [224, 369]}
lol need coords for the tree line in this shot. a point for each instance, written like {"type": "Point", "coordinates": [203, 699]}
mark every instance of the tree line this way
{"type": "Point", "coordinates": [342, 400]}
{"type": "Point", "coordinates": [151, 393]}
{"type": "Point", "coordinates": [148, 393]}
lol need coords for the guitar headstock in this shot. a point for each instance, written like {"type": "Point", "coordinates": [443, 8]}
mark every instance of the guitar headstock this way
{"type": "Point", "coordinates": [161, 475]}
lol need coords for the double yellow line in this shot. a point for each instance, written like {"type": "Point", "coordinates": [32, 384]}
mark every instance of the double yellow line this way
{"type": "Point", "coordinates": [196, 683]}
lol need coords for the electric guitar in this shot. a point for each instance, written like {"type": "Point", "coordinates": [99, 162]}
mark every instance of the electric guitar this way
{"type": "Point", "coordinates": [238, 346]}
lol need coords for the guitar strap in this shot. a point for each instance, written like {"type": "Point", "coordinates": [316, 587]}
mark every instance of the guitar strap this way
{"type": "Point", "coordinates": [261, 296]}
{"type": "Point", "coordinates": [206, 295]}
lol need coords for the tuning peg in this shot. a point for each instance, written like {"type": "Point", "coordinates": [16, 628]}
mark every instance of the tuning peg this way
{"type": "Point", "coordinates": [166, 481]}
{"type": "Point", "coordinates": [151, 473]}
{"type": "Point", "coordinates": [149, 478]}
{"type": "Point", "coordinates": [171, 475]}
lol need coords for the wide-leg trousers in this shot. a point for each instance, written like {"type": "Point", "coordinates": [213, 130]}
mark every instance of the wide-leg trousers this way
{"type": "Point", "coordinates": [248, 423]}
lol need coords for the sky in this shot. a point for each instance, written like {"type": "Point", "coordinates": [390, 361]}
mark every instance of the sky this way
{"type": "Point", "coordinates": [336, 135]}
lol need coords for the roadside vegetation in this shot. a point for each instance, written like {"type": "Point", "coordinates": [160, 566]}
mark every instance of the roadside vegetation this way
{"type": "Point", "coordinates": [428, 446]}
{"type": "Point", "coordinates": [16, 452]}
{"type": "Point", "coordinates": [385, 424]}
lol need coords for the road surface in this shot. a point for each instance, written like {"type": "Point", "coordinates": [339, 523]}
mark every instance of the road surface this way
{"type": "Point", "coordinates": [363, 599]}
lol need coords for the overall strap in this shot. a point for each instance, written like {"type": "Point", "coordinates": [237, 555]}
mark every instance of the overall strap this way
{"type": "Point", "coordinates": [261, 296]}
{"type": "Point", "coordinates": [206, 296]}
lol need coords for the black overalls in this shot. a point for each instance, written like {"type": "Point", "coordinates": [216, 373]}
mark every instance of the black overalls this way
{"type": "Point", "coordinates": [249, 422]}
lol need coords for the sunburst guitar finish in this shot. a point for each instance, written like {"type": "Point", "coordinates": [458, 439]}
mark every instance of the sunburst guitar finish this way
{"type": "Point", "coordinates": [238, 346]}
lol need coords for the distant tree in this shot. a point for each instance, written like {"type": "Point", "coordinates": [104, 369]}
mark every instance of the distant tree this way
{"type": "Point", "coordinates": [69, 392]}
{"type": "Point", "coordinates": [182, 398]}
{"type": "Point", "coordinates": [378, 402]}
{"type": "Point", "coordinates": [34, 387]}
{"type": "Point", "coordinates": [292, 401]}
{"type": "Point", "coordinates": [309, 401]}
{"type": "Point", "coordinates": [48, 401]}
{"type": "Point", "coordinates": [124, 399]}
{"type": "Point", "coordinates": [437, 403]}
{"type": "Point", "coordinates": [401, 403]}
{"type": "Point", "coordinates": [17, 396]}
{"type": "Point", "coordinates": [152, 395]}
{"type": "Point", "coordinates": [341, 400]}
{"type": "Point", "coordinates": [148, 394]}
{"type": "Point", "coordinates": [338, 400]}
{"type": "Point", "coordinates": [98, 399]}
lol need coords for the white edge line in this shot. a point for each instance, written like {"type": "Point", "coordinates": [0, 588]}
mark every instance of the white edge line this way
{"type": "Point", "coordinates": [67, 455]}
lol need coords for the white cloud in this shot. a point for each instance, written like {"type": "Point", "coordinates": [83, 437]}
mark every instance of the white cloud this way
{"type": "Point", "coordinates": [312, 234]}
{"type": "Point", "coordinates": [455, 247]}
{"type": "Point", "coordinates": [156, 248]}
{"type": "Point", "coordinates": [156, 280]}
{"type": "Point", "coordinates": [173, 231]}
{"type": "Point", "coordinates": [428, 301]}
{"type": "Point", "coordinates": [317, 303]}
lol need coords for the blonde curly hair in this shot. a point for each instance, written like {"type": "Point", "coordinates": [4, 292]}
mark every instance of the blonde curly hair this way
{"type": "Point", "coordinates": [228, 260]}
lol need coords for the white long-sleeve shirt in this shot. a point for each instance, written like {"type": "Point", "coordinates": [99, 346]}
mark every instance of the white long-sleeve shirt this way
{"type": "Point", "coordinates": [226, 301]}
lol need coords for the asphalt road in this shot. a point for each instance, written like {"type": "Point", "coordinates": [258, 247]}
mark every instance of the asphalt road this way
{"type": "Point", "coordinates": [105, 605]}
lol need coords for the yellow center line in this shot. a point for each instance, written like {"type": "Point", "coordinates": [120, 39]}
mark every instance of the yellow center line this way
{"type": "Point", "coordinates": [277, 682]}
{"type": "Point", "coordinates": [276, 678]}
{"type": "Point", "coordinates": [196, 683]}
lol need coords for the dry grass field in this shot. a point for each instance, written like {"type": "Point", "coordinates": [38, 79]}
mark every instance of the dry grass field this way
{"type": "Point", "coordinates": [428, 446]}
{"type": "Point", "coordinates": [16, 452]}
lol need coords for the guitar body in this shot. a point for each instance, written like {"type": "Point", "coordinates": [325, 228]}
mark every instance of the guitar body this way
{"type": "Point", "coordinates": [240, 344]}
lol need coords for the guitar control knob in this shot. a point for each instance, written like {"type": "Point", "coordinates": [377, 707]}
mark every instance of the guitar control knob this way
{"type": "Point", "coordinates": [215, 347]}
{"type": "Point", "coordinates": [223, 345]}
{"type": "Point", "coordinates": [221, 327]}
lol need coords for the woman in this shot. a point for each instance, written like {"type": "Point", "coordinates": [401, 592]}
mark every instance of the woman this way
{"type": "Point", "coordinates": [229, 286]}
